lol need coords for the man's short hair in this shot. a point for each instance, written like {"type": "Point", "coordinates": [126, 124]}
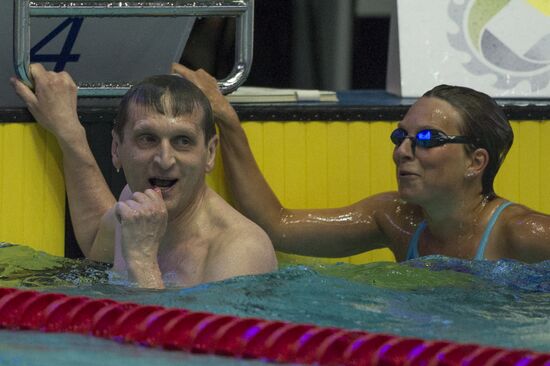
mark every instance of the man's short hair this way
{"type": "Point", "coordinates": [169, 95]}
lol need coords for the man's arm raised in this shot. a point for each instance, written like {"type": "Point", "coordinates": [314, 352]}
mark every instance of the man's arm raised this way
{"type": "Point", "coordinates": [53, 103]}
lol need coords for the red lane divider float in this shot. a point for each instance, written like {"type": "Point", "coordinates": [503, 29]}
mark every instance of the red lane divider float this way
{"type": "Point", "coordinates": [275, 341]}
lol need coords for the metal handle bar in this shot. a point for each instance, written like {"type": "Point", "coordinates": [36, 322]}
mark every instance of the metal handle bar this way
{"type": "Point", "coordinates": [242, 10]}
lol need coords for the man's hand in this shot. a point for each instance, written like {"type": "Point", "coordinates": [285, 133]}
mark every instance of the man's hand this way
{"type": "Point", "coordinates": [224, 114]}
{"type": "Point", "coordinates": [143, 220]}
{"type": "Point", "coordinates": [53, 101]}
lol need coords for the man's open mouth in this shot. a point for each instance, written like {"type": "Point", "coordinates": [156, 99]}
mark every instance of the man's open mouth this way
{"type": "Point", "coordinates": [163, 184]}
{"type": "Point", "coordinates": [405, 173]}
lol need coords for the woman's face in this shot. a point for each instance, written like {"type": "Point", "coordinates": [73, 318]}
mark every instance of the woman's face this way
{"type": "Point", "coordinates": [428, 174]}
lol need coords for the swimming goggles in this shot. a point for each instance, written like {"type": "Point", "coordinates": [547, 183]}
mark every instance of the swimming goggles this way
{"type": "Point", "coordinates": [427, 138]}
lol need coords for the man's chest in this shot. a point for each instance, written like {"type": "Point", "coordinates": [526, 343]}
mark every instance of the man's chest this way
{"type": "Point", "coordinates": [185, 267]}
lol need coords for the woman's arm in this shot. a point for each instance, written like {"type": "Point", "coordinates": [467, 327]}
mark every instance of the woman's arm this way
{"type": "Point", "coordinates": [328, 232]}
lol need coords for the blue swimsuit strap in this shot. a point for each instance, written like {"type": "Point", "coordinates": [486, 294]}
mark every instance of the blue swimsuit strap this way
{"type": "Point", "coordinates": [412, 252]}
{"type": "Point", "coordinates": [485, 238]}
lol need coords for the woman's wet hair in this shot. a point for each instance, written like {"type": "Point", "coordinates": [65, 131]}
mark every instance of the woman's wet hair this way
{"type": "Point", "coordinates": [484, 121]}
{"type": "Point", "coordinates": [169, 95]}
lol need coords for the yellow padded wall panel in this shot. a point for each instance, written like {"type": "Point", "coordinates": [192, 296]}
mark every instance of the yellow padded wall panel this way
{"type": "Point", "coordinates": [544, 168]}
{"type": "Point", "coordinates": [316, 164]}
{"type": "Point", "coordinates": [360, 164]}
{"type": "Point", "coordinates": [382, 173]}
{"type": "Point", "coordinates": [529, 157]}
{"type": "Point", "coordinates": [32, 194]}
{"type": "Point", "coordinates": [337, 164]}
{"type": "Point", "coordinates": [305, 162]}
{"type": "Point", "coordinates": [255, 134]}
{"type": "Point", "coordinates": [273, 156]}
{"type": "Point", "coordinates": [507, 180]}
{"type": "Point", "coordinates": [294, 157]}
{"type": "Point", "coordinates": [525, 174]}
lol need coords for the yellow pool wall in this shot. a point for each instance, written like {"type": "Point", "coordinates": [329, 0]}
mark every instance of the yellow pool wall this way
{"type": "Point", "coordinates": [312, 164]}
{"type": "Point", "coordinates": [32, 191]}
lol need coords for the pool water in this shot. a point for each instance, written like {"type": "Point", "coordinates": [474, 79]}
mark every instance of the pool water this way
{"type": "Point", "coordinates": [503, 303]}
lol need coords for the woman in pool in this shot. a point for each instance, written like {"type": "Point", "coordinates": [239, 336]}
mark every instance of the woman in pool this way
{"type": "Point", "coordinates": [448, 149]}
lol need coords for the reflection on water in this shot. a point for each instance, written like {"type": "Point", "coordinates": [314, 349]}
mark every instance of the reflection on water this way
{"type": "Point", "coordinates": [503, 303]}
{"type": "Point", "coordinates": [21, 266]}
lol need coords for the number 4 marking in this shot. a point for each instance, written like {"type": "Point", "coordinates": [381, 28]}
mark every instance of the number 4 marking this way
{"type": "Point", "coordinates": [65, 55]}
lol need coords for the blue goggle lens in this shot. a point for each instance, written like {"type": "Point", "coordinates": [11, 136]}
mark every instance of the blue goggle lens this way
{"type": "Point", "coordinates": [427, 138]}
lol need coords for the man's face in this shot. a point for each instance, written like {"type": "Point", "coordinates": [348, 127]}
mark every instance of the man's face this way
{"type": "Point", "coordinates": [165, 152]}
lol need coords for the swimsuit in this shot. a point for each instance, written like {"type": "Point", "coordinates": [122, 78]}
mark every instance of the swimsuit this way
{"type": "Point", "coordinates": [412, 252]}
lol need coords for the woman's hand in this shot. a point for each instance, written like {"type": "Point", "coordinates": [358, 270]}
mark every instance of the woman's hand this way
{"type": "Point", "coordinates": [224, 114]}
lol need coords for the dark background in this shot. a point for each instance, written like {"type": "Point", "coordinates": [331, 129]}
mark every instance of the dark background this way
{"type": "Point", "coordinates": [210, 47]}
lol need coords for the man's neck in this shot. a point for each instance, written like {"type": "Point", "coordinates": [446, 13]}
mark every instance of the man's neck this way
{"type": "Point", "coordinates": [192, 221]}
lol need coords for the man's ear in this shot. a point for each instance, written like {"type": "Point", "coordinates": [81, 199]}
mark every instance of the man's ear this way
{"type": "Point", "coordinates": [115, 146]}
{"type": "Point", "coordinates": [211, 153]}
{"type": "Point", "coordinates": [478, 163]}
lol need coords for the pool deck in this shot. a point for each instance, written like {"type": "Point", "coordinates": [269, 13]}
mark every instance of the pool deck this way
{"type": "Point", "coordinates": [353, 105]}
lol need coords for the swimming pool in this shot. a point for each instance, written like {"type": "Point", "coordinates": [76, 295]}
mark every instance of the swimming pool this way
{"type": "Point", "coordinates": [505, 304]}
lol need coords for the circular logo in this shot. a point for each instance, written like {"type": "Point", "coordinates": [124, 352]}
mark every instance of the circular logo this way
{"type": "Point", "coordinates": [507, 38]}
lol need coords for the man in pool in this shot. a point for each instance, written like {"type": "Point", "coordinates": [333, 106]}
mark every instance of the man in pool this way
{"type": "Point", "coordinates": [168, 228]}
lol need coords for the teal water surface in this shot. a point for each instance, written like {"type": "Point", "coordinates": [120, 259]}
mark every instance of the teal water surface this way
{"type": "Point", "coordinates": [503, 303]}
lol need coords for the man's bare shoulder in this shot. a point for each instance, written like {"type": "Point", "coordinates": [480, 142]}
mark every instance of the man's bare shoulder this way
{"type": "Point", "coordinates": [227, 217]}
{"type": "Point", "coordinates": [242, 244]}
{"type": "Point", "coordinates": [237, 228]}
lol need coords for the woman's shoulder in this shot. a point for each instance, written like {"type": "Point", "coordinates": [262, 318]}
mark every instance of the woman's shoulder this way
{"type": "Point", "coordinates": [526, 233]}
{"type": "Point", "coordinates": [514, 215]}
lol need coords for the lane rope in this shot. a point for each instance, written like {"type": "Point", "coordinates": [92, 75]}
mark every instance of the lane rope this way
{"type": "Point", "coordinates": [228, 335]}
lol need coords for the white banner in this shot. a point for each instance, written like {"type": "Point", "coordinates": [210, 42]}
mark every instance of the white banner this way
{"type": "Point", "coordinates": [500, 47]}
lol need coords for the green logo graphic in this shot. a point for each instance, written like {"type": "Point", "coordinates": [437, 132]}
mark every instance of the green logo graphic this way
{"type": "Point", "coordinates": [507, 38]}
